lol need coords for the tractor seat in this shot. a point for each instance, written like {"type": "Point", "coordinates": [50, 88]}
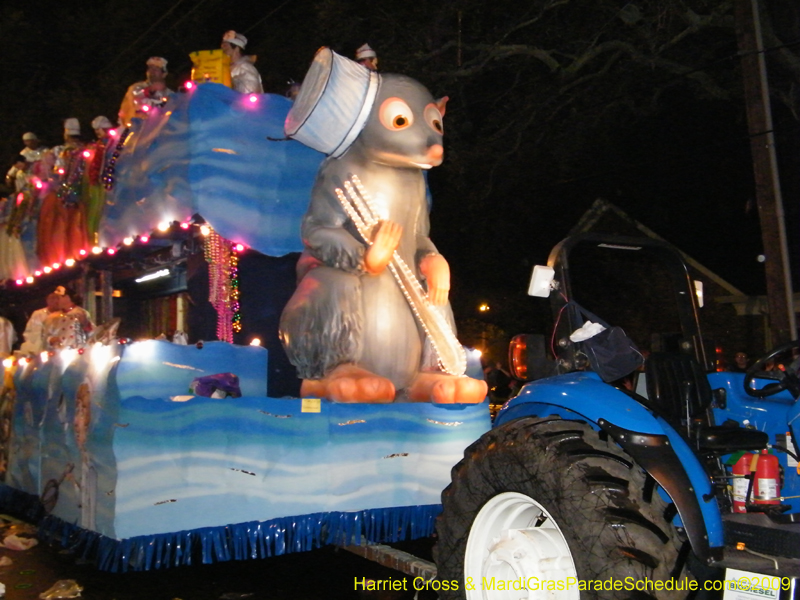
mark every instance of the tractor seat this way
{"type": "Point", "coordinates": [678, 390]}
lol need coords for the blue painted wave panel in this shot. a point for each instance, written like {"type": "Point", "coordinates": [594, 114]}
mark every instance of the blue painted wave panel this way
{"type": "Point", "coordinates": [36, 386]}
{"type": "Point", "coordinates": [132, 454]}
{"type": "Point", "coordinates": [151, 179]}
{"type": "Point", "coordinates": [209, 462]}
{"type": "Point", "coordinates": [213, 152]}
{"type": "Point", "coordinates": [159, 369]}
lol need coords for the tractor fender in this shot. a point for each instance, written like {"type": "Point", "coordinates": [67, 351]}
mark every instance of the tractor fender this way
{"type": "Point", "coordinates": [652, 443]}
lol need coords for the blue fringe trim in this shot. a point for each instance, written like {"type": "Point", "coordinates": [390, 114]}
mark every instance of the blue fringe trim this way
{"type": "Point", "coordinates": [256, 539]}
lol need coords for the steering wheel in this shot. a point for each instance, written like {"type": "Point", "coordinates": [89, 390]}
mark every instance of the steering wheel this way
{"type": "Point", "coordinates": [784, 380]}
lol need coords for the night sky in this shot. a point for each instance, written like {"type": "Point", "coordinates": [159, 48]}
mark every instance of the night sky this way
{"type": "Point", "coordinates": [524, 158]}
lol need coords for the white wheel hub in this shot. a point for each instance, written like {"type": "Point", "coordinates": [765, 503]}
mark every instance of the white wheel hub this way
{"type": "Point", "coordinates": [516, 551]}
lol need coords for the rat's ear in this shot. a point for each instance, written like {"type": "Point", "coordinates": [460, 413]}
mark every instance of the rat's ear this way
{"type": "Point", "coordinates": [441, 103]}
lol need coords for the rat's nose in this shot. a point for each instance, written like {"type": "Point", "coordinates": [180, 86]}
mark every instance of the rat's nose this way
{"type": "Point", "coordinates": [436, 153]}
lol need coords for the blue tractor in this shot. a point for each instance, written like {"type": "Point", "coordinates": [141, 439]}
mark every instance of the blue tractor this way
{"type": "Point", "coordinates": [632, 470]}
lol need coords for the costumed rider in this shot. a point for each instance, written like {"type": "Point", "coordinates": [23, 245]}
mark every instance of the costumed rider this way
{"type": "Point", "coordinates": [8, 337]}
{"type": "Point", "coordinates": [94, 193]}
{"type": "Point", "coordinates": [34, 329]}
{"type": "Point", "coordinates": [33, 150]}
{"type": "Point", "coordinates": [102, 127]}
{"type": "Point", "coordinates": [21, 179]}
{"type": "Point", "coordinates": [61, 229]}
{"type": "Point", "coordinates": [367, 57]}
{"type": "Point", "coordinates": [33, 153]}
{"type": "Point", "coordinates": [65, 154]}
{"type": "Point", "coordinates": [244, 75]}
{"type": "Point", "coordinates": [68, 328]}
{"type": "Point", "coordinates": [142, 96]}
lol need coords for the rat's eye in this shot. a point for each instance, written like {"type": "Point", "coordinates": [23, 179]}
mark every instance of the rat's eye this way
{"type": "Point", "coordinates": [395, 114]}
{"type": "Point", "coordinates": [434, 118]}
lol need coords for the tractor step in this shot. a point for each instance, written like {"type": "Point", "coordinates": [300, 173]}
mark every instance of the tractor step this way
{"type": "Point", "coordinates": [774, 566]}
{"type": "Point", "coordinates": [760, 533]}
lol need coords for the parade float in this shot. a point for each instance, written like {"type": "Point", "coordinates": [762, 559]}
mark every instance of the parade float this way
{"type": "Point", "coordinates": [144, 454]}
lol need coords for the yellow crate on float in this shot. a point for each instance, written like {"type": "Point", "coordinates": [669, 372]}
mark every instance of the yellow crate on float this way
{"type": "Point", "coordinates": [211, 66]}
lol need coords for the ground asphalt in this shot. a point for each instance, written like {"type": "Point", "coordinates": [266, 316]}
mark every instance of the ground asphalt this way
{"type": "Point", "coordinates": [324, 574]}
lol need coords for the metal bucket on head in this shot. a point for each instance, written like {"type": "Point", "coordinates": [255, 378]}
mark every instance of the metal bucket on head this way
{"type": "Point", "coordinates": [333, 104]}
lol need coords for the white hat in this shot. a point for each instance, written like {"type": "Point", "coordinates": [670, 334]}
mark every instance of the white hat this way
{"type": "Point", "coordinates": [333, 104]}
{"type": "Point", "coordinates": [237, 39]}
{"type": "Point", "coordinates": [101, 122]}
{"type": "Point", "coordinates": [29, 136]}
{"type": "Point", "coordinates": [157, 61]}
{"type": "Point", "coordinates": [365, 52]}
{"type": "Point", "coordinates": [72, 126]}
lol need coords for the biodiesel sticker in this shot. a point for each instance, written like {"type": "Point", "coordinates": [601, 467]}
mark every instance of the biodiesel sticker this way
{"type": "Point", "coordinates": [745, 585]}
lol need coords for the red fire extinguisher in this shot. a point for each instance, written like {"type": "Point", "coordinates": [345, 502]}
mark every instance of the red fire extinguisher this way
{"type": "Point", "coordinates": [767, 486]}
{"type": "Point", "coordinates": [741, 480]}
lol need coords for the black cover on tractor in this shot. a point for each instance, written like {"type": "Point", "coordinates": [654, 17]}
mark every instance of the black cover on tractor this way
{"type": "Point", "coordinates": [612, 354]}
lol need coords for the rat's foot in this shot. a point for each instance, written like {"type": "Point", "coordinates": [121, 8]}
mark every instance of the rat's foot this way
{"type": "Point", "coordinates": [441, 388]}
{"type": "Point", "coordinates": [349, 383]}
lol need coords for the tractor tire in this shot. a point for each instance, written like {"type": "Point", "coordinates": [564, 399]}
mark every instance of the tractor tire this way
{"type": "Point", "coordinates": [540, 503]}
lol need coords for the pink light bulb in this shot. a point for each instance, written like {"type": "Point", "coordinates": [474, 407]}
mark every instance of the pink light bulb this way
{"type": "Point", "coordinates": [112, 251]}
{"type": "Point", "coordinates": [146, 108]}
{"type": "Point", "coordinates": [253, 98]}
{"type": "Point", "coordinates": [82, 252]}
{"type": "Point", "coordinates": [145, 238]}
{"type": "Point", "coordinates": [20, 282]}
{"type": "Point", "coordinates": [87, 154]}
{"type": "Point", "coordinates": [188, 85]}
{"type": "Point", "coordinates": [185, 225]}
{"type": "Point", "coordinates": [239, 247]}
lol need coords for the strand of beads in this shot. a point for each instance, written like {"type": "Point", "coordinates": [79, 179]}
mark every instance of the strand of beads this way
{"type": "Point", "coordinates": [217, 252]}
{"type": "Point", "coordinates": [69, 192]}
{"type": "Point", "coordinates": [111, 168]}
{"type": "Point", "coordinates": [236, 319]}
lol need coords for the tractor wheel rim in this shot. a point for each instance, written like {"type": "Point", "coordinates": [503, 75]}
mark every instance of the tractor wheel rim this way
{"type": "Point", "coordinates": [516, 541]}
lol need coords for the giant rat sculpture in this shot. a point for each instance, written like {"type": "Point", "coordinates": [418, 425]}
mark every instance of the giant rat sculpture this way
{"type": "Point", "coordinates": [353, 327]}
